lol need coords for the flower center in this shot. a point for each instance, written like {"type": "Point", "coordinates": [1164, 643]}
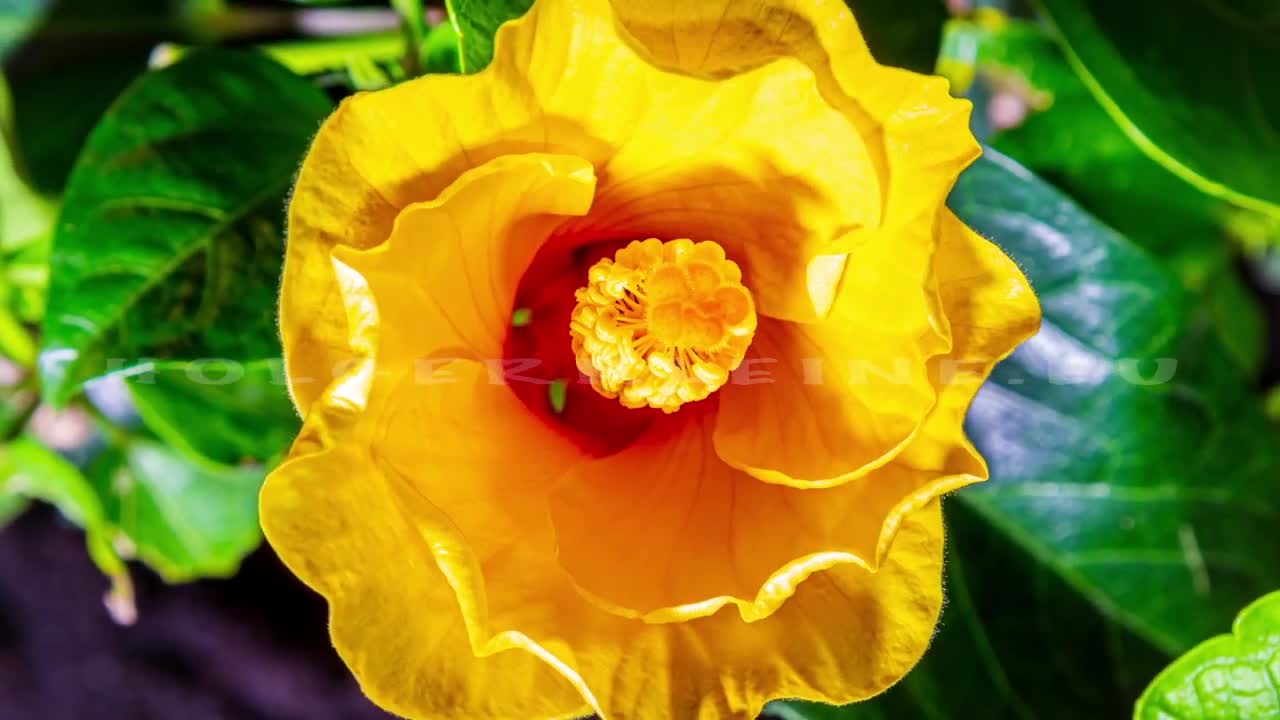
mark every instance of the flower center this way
{"type": "Point", "coordinates": [662, 323]}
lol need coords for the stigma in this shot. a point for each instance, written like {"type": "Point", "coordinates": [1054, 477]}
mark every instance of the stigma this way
{"type": "Point", "coordinates": [662, 324]}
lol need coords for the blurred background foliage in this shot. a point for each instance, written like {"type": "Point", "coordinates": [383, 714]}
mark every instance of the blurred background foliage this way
{"type": "Point", "coordinates": [148, 147]}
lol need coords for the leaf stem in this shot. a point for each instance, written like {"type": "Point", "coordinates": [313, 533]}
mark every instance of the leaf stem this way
{"type": "Point", "coordinates": [313, 56]}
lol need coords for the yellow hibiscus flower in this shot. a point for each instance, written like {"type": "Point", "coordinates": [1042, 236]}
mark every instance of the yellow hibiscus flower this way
{"type": "Point", "coordinates": [726, 224]}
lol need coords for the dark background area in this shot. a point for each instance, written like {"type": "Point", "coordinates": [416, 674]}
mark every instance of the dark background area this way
{"type": "Point", "coordinates": [253, 647]}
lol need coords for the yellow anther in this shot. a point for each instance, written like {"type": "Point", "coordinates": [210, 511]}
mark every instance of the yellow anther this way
{"type": "Point", "coordinates": [662, 323]}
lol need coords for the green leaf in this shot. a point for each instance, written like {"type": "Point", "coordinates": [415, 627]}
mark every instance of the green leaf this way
{"type": "Point", "coordinates": [26, 216]}
{"type": "Point", "coordinates": [1191, 83]}
{"type": "Point", "coordinates": [11, 506]}
{"type": "Point", "coordinates": [185, 520]}
{"type": "Point", "coordinates": [902, 33]}
{"type": "Point", "coordinates": [169, 243]}
{"type": "Point", "coordinates": [26, 276]}
{"type": "Point", "coordinates": [244, 409]}
{"type": "Point", "coordinates": [378, 52]}
{"type": "Point", "coordinates": [51, 131]}
{"type": "Point", "coordinates": [1074, 143]}
{"type": "Point", "coordinates": [440, 50]}
{"type": "Point", "coordinates": [30, 470]}
{"type": "Point", "coordinates": [90, 50]}
{"type": "Point", "coordinates": [1229, 676]}
{"type": "Point", "coordinates": [1231, 309]}
{"type": "Point", "coordinates": [26, 220]}
{"type": "Point", "coordinates": [1125, 452]}
{"type": "Point", "coordinates": [476, 22]}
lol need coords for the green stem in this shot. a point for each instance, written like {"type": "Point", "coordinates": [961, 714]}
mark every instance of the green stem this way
{"type": "Point", "coordinates": [415, 20]}
{"type": "Point", "coordinates": [320, 55]}
{"type": "Point", "coordinates": [19, 422]}
{"type": "Point", "coordinates": [15, 342]}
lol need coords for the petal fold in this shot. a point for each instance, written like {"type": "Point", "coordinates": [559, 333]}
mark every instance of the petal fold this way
{"type": "Point", "coordinates": [665, 531]}
{"type": "Point", "coordinates": [991, 309]}
{"type": "Point", "coordinates": [446, 278]}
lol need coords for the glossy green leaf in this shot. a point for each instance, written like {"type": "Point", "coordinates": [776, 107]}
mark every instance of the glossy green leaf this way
{"type": "Point", "coordinates": [169, 242]}
{"type": "Point", "coordinates": [476, 22]}
{"type": "Point", "coordinates": [1229, 676]}
{"type": "Point", "coordinates": [1192, 83]}
{"type": "Point", "coordinates": [244, 409]}
{"type": "Point", "coordinates": [183, 519]}
{"type": "Point", "coordinates": [902, 33]}
{"type": "Point", "coordinates": [1125, 452]}
{"type": "Point", "coordinates": [1073, 142]}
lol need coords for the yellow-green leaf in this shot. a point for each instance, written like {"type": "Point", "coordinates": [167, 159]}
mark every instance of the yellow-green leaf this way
{"type": "Point", "coordinates": [1229, 676]}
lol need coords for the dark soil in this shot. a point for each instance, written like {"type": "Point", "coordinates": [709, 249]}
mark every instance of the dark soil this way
{"type": "Point", "coordinates": [251, 648]}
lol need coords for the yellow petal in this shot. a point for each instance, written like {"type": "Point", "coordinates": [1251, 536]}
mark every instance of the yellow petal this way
{"type": "Point", "coordinates": [759, 163]}
{"type": "Point", "coordinates": [924, 133]}
{"type": "Point", "coordinates": [665, 531]}
{"type": "Point", "coordinates": [340, 523]}
{"type": "Point", "coordinates": [854, 387]}
{"type": "Point", "coordinates": [846, 635]}
{"type": "Point", "coordinates": [991, 309]}
{"type": "Point", "coordinates": [394, 617]}
{"type": "Point", "coordinates": [386, 522]}
{"type": "Point", "coordinates": [446, 280]}
{"type": "Point", "coordinates": [466, 443]}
